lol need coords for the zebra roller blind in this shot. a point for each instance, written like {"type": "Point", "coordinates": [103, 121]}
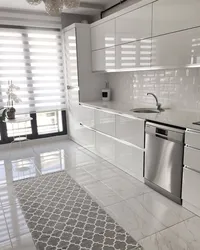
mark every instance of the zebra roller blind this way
{"type": "Point", "coordinates": [32, 59]}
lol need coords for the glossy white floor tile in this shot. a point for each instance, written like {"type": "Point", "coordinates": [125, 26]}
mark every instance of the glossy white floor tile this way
{"type": "Point", "coordinates": [183, 236]}
{"type": "Point", "coordinates": [124, 187]}
{"type": "Point", "coordinates": [101, 171]}
{"type": "Point", "coordinates": [138, 223]}
{"type": "Point", "coordinates": [166, 211]}
{"type": "Point", "coordinates": [103, 194]}
{"type": "Point", "coordinates": [81, 176]}
{"type": "Point", "coordinates": [156, 222]}
{"type": "Point", "coordinates": [23, 242]}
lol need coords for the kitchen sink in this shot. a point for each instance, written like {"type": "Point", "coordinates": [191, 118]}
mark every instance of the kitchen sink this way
{"type": "Point", "coordinates": [146, 110]}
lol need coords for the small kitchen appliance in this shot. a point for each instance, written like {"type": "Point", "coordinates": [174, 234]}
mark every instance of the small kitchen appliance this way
{"type": "Point", "coordinates": [106, 93]}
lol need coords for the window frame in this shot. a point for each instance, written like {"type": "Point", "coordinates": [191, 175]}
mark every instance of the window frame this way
{"type": "Point", "coordinates": [34, 127]}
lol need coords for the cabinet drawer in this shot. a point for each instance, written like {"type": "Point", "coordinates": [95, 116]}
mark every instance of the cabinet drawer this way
{"type": "Point", "coordinates": [105, 147]}
{"type": "Point", "coordinates": [129, 159]}
{"type": "Point", "coordinates": [192, 138]}
{"type": "Point", "coordinates": [191, 187]}
{"type": "Point", "coordinates": [192, 158]}
{"type": "Point", "coordinates": [105, 122]}
{"type": "Point", "coordinates": [130, 130]}
{"type": "Point", "coordinates": [86, 138]}
{"type": "Point", "coordinates": [86, 116]}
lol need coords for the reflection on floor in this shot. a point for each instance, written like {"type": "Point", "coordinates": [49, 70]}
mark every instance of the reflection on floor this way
{"type": "Point", "coordinates": [151, 219]}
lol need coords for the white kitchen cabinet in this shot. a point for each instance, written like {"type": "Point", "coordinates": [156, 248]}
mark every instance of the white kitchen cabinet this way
{"type": "Point", "coordinates": [192, 138]}
{"type": "Point", "coordinates": [82, 84]}
{"type": "Point", "coordinates": [98, 60]}
{"type": "Point", "coordinates": [133, 55]}
{"type": "Point", "coordinates": [176, 49]}
{"type": "Point", "coordinates": [192, 158]}
{"type": "Point", "coordinates": [130, 129]}
{"type": "Point", "coordinates": [105, 122]}
{"type": "Point", "coordinates": [86, 115]}
{"type": "Point", "coordinates": [104, 59]}
{"type": "Point", "coordinates": [86, 137]}
{"type": "Point", "coordinates": [134, 25]}
{"type": "Point", "coordinates": [105, 147]}
{"type": "Point", "coordinates": [103, 35]}
{"type": "Point", "coordinates": [174, 15]}
{"type": "Point", "coordinates": [129, 159]}
{"type": "Point", "coordinates": [191, 187]}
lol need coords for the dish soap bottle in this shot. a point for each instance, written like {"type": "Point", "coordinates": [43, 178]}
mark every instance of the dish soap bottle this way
{"type": "Point", "coordinates": [106, 93]}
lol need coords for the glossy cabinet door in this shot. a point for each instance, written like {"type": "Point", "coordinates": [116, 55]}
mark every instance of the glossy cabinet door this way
{"type": "Point", "coordinates": [191, 187]}
{"type": "Point", "coordinates": [174, 15]}
{"type": "Point", "coordinates": [105, 122]}
{"type": "Point", "coordinates": [130, 130]}
{"type": "Point", "coordinates": [71, 61]}
{"type": "Point", "coordinates": [192, 158]}
{"type": "Point", "coordinates": [105, 147]}
{"type": "Point", "coordinates": [98, 60]}
{"type": "Point", "coordinates": [103, 35]}
{"type": "Point", "coordinates": [133, 55]}
{"type": "Point", "coordinates": [86, 138]}
{"type": "Point", "coordinates": [192, 138]}
{"type": "Point", "coordinates": [134, 25]}
{"type": "Point", "coordinates": [176, 49]}
{"type": "Point", "coordinates": [104, 59]}
{"type": "Point", "coordinates": [71, 75]}
{"type": "Point", "coordinates": [86, 115]}
{"type": "Point", "coordinates": [129, 159]}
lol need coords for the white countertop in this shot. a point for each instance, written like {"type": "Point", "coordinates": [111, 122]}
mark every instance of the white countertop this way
{"type": "Point", "coordinates": [179, 118]}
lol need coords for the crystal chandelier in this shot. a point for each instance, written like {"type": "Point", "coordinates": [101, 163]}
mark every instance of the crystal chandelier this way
{"type": "Point", "coordinates": [55, 7]}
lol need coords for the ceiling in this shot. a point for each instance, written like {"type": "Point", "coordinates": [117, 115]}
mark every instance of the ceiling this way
{"type": "Point", "coordinates": [87, 7]}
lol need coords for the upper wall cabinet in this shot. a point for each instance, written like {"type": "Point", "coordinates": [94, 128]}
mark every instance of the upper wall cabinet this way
{"type": "Point", "coordinates": [174, 15]}
{"type": "Point", "coordinates": [104, 59]}
{"type": "Point", "coordinates": [134, 25]}
{"type": "Point", "coordinates": [177, 49]}
{"type": "Point", "coordinates": [133, 55]}
{"type": "Point", "coordinates": [103, 35]}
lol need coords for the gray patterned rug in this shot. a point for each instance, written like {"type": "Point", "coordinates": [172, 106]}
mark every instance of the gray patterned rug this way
{"type": "Point", "coordinates": [61, 215]}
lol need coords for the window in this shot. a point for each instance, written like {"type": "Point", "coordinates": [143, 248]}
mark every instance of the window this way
{"type": "Point", "coordinates": [32, 60]}
{"type": "Point", "coordinates": [49, 122]}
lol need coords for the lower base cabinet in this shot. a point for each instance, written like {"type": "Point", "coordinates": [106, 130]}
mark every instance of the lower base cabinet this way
{"type": "Point", "coordinates": [129, 159]}
{"type": "Point", "coordinates": [86, 137]}
{"type": "Point", "coordinates": [105, 147]}
{"type": "Point", "coordinates": [190, 191]}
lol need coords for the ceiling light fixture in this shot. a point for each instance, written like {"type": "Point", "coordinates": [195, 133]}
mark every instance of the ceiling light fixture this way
{"type": "Point", "coordinates": [55, 7]}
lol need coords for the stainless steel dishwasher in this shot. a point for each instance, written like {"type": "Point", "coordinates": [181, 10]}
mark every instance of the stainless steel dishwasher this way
{"type": "Point", "coordinates": [164, 159]}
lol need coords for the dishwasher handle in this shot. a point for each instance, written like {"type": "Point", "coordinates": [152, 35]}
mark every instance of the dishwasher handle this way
{"type": "Point", "coordinates": [164, 137]}
{"type": "Point", "coordinates": [166, 134]}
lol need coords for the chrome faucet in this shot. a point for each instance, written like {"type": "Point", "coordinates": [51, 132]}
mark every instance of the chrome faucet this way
{"type": "Point", "coordinates": [158, 105]}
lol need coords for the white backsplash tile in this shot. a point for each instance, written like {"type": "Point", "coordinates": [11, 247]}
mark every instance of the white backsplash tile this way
{"type": "Point", "coordinates": [177, 88]}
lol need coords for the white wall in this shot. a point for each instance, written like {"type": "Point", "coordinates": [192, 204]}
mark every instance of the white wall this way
{"type": "Point", "coordinates": [179, 89]}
